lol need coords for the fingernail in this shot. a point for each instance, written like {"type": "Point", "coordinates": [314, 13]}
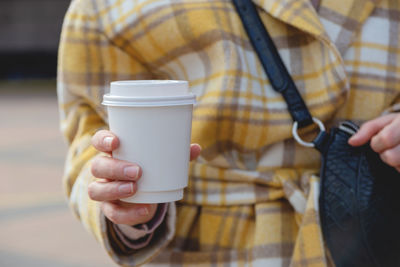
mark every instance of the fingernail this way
{"type": "Point", "coordinates": [126, 188]}
{"type": "Point", "coordinates": [108, 141]}
{"type": "Point", "coordinates": [143, 211]}
{"type": "Point", "coordinates": [132, 172]}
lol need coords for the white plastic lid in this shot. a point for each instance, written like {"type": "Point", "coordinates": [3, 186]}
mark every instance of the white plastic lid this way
{"type": "Point", "coordinates": [149, 93]}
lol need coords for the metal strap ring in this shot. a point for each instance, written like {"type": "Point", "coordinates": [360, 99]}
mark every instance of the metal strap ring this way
{"type": "Point", "coordinates": [297, 137]}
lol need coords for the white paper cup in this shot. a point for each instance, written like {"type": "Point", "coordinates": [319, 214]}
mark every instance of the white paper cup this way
{"type": "Point", "coordinates": [153, 120]}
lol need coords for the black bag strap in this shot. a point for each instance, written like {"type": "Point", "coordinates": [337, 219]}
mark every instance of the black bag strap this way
{"type": "Point", "coordinates": [272, 63]}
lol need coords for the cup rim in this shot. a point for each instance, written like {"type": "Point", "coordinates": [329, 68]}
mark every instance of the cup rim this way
{"type": "Point", "coordinates": [147, 82]}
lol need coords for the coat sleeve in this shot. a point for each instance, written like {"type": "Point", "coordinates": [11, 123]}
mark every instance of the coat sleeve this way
{"type": "Point", "coordinates": [393, 108]}
{"type": "Point", "coordinates": [88, 62]}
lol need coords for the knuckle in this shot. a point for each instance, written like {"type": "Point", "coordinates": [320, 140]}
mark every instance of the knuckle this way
{"type": "Point", "coordinates": [118, 169]}
{"type": "Point", "coordinates": [96, 139]}
{"type": "Point", "coordinates": [367, 126]}
{"type": "Point", "coordinates": [390, 158]}
{"type": "Point", "coordinates": [375, 144]}
{"type": "Point", "coordinates": [102, 132]}
{"type": "Point", "coordinates": [113, 169]}
{"type": "Point", "coordinates": [93, 140]}
{"type": "Point", "coordinates": [92, 191]}
{"type": "Point", "coordinates": [113, 215]}
{"type": "Point", "coordinates": [386, 137]}
{"type": "Point", "coordinates": [112, 190]}
{"type": "Point", "coordinates": [94, 167]}
{"type": "Point", "coordinates": [105, 167]}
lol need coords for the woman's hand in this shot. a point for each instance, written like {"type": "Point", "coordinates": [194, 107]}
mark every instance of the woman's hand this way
{"type": "Point", "coordinates": [384, 133]}
{"type": "Point", "coordinates": [118, 180]}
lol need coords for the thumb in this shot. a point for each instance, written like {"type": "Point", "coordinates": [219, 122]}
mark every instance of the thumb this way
{"type": "Point", "coordinates": [369, 129]}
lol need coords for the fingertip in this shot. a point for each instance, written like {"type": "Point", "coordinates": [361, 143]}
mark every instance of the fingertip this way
{"type": "Point", "coordinates": [114, 143]}
{"type": "Point", "coordinates": [357, 140]}
{"type": "Point", "coordinates": [110, 143]}
{"type": "Point", "coordinates": [121, 212]}
{"type": "Point", "coordinates": [369, 129]}
{"type": "Point", "coordinates": [365, 133]}
{"type": "Point", "coordinates": [110, 210]}
{"type": "Point", "coordinates": [141, 212]}
{"type": "Point", "coordinates": [147, 211]}
{"type": "Point", "coordinates": [353, 140]}
{"type": "Point", "coordinates": [105, 141]}
{"type": "Point", "coordinates": [195, 150]}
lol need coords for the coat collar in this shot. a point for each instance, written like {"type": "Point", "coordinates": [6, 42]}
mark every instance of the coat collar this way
{"type": "Point", "coordinates": [302, 15]}
{"type": "Point", "coordinates": [322, 25]}
{"type": "Point", "coordinates": [298, 13]}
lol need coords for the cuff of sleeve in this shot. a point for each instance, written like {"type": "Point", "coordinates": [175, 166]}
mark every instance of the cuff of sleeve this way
{"type": "Point", "coordinates": [139, 236]}
{"type": "Point", "coordinates": [126, 255]}
{"type": "Point", "coordinates": [394, 108]}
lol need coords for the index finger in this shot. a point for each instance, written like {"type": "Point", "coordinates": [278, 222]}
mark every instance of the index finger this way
{"type": "Point", "coordinates": [105, 141]}
{"type": "Point", "coordinates": [369, 129]}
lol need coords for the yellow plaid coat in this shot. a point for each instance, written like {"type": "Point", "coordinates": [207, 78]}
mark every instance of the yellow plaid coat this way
{"type": "Point", "coordinates": [252, 195]}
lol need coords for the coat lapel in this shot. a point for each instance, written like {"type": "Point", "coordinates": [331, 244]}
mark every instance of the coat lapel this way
{"type": "Point", "coordinates": [342, 21]}
{"type": "Point", "coordinates": [335, 23]}
{"type": "Point", "coordinates": [335, 34]}
{"type": "Point", "coordinates": [297, 13]}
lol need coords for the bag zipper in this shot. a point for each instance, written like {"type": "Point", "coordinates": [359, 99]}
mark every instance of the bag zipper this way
{"type": "Point", "coordinates": [349, 127]}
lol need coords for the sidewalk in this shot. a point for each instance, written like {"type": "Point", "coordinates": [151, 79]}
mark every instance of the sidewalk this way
{"type": "Point", "coordinates": [36, 227]}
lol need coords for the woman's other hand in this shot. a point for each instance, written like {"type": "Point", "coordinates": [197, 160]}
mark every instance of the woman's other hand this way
{"type": "Point", "coordinates": [384, 136]}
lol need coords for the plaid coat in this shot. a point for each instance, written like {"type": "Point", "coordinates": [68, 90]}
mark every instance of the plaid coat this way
{"type": "Point", "coordinates": [252, 195]}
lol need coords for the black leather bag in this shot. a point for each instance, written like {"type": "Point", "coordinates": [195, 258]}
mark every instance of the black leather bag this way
{"type": "Point", "coordinates": [359, 194]}
{"type": "Point", "coordinates": [359, 202]}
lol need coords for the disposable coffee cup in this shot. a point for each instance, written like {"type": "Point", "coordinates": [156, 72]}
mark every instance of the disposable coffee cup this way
{"type": "Point", "coordinates": [153, 120]}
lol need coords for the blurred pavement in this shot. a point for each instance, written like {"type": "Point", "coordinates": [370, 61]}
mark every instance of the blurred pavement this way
{"type": "Point", "coordinates": [36, 227]}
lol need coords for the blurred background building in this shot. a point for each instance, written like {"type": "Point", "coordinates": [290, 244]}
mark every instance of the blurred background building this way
{"type": "Point", "coordinates": [29, 34]}
{"type": "Point", "coordinates": [36, 227]}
